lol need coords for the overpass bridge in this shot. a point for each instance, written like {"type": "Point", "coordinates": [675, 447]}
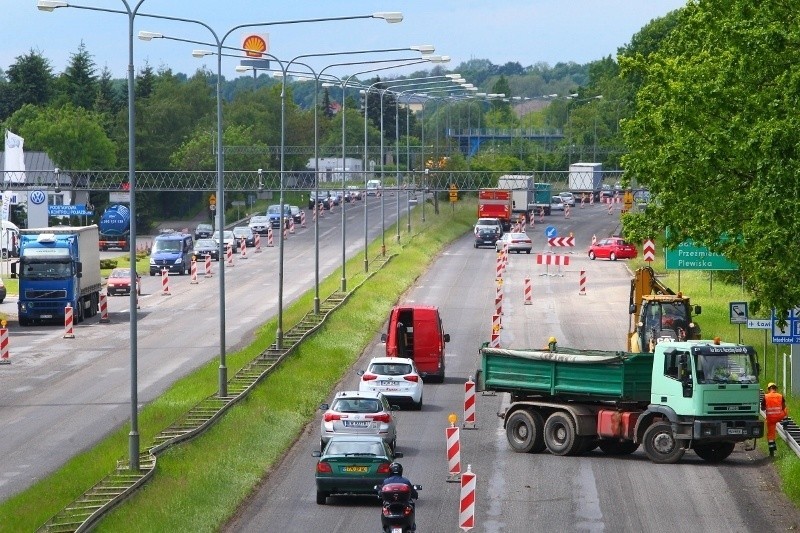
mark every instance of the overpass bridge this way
{"type": "Point", "coordinates": [470, 139]}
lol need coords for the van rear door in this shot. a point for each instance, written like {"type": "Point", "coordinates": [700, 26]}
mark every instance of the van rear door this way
{"type": "Point", "coordinates": [428, 342]}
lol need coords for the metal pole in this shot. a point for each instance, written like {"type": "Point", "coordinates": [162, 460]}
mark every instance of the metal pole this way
{"type": "Point", "coordinates": [383, 198]}
{"type": "Point", "coordinates": [366, 196]}
{"type": "Point", "coordinates": [408, 168]}
{"type": "Point", "coordinates": [397, 165]}
{"type": "Point", "coordinates": [344, 203]}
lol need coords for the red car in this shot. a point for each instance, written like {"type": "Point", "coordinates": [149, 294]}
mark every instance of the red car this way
{"type": "Point", "coordinates": [119, 282]}
{"type": "Point", "coordinates": [612, 248]}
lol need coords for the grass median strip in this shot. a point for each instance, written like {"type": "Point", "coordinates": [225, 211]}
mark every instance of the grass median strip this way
{"type": "Point", "coordinates": [199, 485]}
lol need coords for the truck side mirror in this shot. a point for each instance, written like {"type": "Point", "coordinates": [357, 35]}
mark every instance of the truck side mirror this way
{"type": "Point", "coordinates": [383, 337]}
{"type": "Point", "coordinates": [79, 269]}
{"type": "Point", "coordinates": [14, 270]}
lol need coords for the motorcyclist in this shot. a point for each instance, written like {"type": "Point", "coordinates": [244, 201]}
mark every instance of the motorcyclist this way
{"type": "Point", "coordinates": [396, 476]}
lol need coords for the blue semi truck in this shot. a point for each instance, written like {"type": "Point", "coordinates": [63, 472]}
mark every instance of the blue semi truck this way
{"type": "Point", "coordinates": [58, 266]}
{"type": "Point", "coordinates": [115, 228]}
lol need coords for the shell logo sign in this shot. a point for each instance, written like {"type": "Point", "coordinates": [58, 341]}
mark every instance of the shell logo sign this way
{"type": "Point", "coordinates": [255, 45]}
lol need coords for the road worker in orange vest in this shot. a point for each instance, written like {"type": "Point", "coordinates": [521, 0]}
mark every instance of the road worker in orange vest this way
{"type": "Point", "coordinates": [774, 405]}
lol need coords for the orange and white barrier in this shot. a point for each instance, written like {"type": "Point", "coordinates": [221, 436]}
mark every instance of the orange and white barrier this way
{"type": "Point", "coordinates": [103, 308]}
{"type": "Point", "coordinates": [244, 248]}
{"type": "Point", "coordinates": [469, 404]}
{"type": "Point", "coordinates": [582, 283]}
{"type": "Point", "coordinates": [302, 219]}
{"type": "Point", "coordinates": [270, 242]}
{"type": "Point", "coordinates": [528, 291]}
{"type": "Point", "coordinates": [567, 210]}
{"type": "Point", "coordinates": [466, 515]}
{"type": "Point", "coordinates": [4, 360]}
{"type": "Point", "coordinates": [552, 259]}
{"type": "Point", "coordinates": [453, 453]}
{"type": "Point", "coordinates": [208, 265]}
{"type": "Point", "coordinates": [258, 243]}
{"type": "Point", "coordinates": [291, 224]}
{"type": "Point", "coordinates": [193, 271]}
{"type": "Point", "coordinates": [164, 282]}
{"type": "Point", "coordinates": [68, 334]}
{"type": "Point", "coordinates": [229, 255]}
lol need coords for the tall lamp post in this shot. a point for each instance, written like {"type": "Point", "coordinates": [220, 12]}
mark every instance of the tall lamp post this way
{"type": "Point", "coordinates": [131, 10]}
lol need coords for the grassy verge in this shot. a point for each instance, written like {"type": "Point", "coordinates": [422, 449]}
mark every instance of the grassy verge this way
{"type": "Point", "coordinates": [714, 297]}
{"type": "Point", "coordinates": [200, 484]}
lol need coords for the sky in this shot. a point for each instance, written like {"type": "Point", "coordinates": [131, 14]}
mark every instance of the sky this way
{"type": "Point", "coordinates": [523, 31]}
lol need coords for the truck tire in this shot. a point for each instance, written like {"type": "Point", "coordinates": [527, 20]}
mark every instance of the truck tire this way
{"type": "Point", "coordinates": [714, 452]}
{"type": "Point", "coordinates": [560, 435]}
{"type": "Point", "coordinates": [660, 444]}
{"type": "Point", "coordinates": [524, 432]}
{"type": "Point", "coordinates": [618, 447]}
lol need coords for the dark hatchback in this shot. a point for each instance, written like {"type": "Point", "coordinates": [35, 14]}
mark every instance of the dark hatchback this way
{"type": "Point", "coordinates": [486, 237]}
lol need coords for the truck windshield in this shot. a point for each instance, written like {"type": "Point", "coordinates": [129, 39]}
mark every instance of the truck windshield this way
{"type": "Point", "coordinates": [725, 368]}
{"type": "Point", "coordinates": [47, 270]}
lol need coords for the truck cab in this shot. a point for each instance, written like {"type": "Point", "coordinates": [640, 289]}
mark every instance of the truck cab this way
{"type": "Point", "coordinates": [172, 251]}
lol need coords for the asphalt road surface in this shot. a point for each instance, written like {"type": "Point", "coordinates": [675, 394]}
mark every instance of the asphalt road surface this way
{"type": "Point", "coordinates": [60, 396]}
{"type": "Point", "coordinates": [526, 492]}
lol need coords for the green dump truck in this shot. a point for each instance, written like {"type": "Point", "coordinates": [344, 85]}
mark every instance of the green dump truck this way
{"type": "Point", "coordinates": [700, 395]}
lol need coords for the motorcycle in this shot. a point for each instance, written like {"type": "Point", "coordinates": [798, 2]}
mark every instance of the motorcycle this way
{"type": "Point", "coordinates": [397, 508]}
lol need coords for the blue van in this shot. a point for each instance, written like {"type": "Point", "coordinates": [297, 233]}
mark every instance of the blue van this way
{"type": "Point", "coordinates": [171, 250]}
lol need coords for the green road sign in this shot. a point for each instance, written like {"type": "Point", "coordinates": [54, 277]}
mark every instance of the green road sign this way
{"type": "Point", "coordinates": [690, 257]}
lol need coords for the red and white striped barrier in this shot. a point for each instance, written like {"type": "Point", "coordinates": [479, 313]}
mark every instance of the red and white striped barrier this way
{"type": "Point", "coordinates": [291, 224]}
{"type": "Point", "coordinates": [258, 243]}
{"type": "Point", "coordinates": [453, 453]}
{"type": "Point", "coordinates": [193, 271]}
{"type": "Point", "coordinates": [495, 342]}
{"type": "Point", "coordinates": [244, 248]}
{"type": "Point", "coordinates": [229, 255]}
{"type": "Point", "coordinates": [164, 282]}
{"type": "Point", "coordinates": [582, 283]}
{"type": "Point", "coordinates": [541, 214]}
{"type": "Point", "coordinates": [528, 291]}
{"type": "Point", "coordinates": [499, 265]}
{"type": "Point", "coordinates": [591, 199]}
{"type": "Point", "coordinates": [566, 211]}
{"type": "Point", "coordinates": [498, 307]}
{"type": "Point", "coordinates": [285, 234]}
{"type": "Point", "coordinates": [469, 404]}
{"type": "Point", "coordinates": [4, 360]}
{"type": "Point", "coordinates": [610, 208]}
{"type": "Point", "coordinates": [68, 334]}
{"type": "Point", "coordinates": [270, 242]}
{"type": "Point", "coordinates": [103, 308]}
{"type": "Point", "coordinates": [321, 211]}
{"type": "Point", "coordinates": [594, 240]}
{"type": "Point", "coordinates": [583, 200]}
{"type": "Point", "coordinates": [551, 259]}
{"type": "Point", "coordinates": [466, 514]}
{"type": "Point", "coordinates": [208, 265]}
{"type": "Point", "coordinates": [302, 219]}
{"type": "Point", "coordinates": [496, 325]}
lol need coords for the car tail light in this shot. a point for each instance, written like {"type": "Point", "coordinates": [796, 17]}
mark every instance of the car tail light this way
{"type": "Point", "coordinates": [330, 417]}
{"type": "Point", "coordinates": [383, 468]}
{"type": "Point", "coordinates": [411, 377]}
{"type": "Point", "coordinates": [369, 377]}
{"type": "Point", "coordinates": [381, 417]}
{"type": "Point", "coordinates": [324, 468]}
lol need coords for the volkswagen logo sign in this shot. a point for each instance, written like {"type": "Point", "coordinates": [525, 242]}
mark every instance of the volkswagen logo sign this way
{"type": "Point", "coordinates": [37, 197]}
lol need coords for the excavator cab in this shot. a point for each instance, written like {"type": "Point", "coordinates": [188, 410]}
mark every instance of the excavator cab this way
{"type": "Point", "coordinates": [658, 313]}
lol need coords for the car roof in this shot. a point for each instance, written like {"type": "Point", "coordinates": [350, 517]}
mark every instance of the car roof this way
{"type": "Point", "coordinates": [357, 394]}
{"type": "Point", "coordinates": [396, 360]}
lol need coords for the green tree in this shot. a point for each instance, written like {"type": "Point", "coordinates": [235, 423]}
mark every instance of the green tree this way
{"type": "Point", "coordinates": [325, 105]}
{"type": "Point", "coordinates": [716, 138]}
{"type": "Point", "coordinates": [79, 79]}
{"type": "Point", "coordinates": [30, 81]}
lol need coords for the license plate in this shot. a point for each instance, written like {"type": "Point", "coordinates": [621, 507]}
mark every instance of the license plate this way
{"type": "Point", "coordinates": [47, 316]}
{"type": "Point", "coordinates": [397, 530]}
{"type": "Point", "coordinates": [358, 469]}
{"type": "Point", "coordinates": [385, 383]}
{"type": "Point", "coordinates": [356, 424]}
{"type": "Point", "coordinates": [735, 431]}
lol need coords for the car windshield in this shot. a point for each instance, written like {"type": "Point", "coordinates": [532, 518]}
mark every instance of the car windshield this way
{"type": "Point", "coordinates": [205, 243]}
{"type": "Point", "coordinates": [357, 405]}
{"type": "Point", "coordinates": [355, 448]}
{"type": "Point", "coordinates": [391, 369]}
{"type": "Point", "coordinates": [274, 210]}
{"type": "Point", "coordinates": [258, 220]}
{"type": "Point", "coordinates": [487, 222]}
{"type": "Point", "coordinates": [725, 368]}
{"type": "Point", "coordinates": [171, 245]}
{"type": "Point", "coordinates": [204, 227]}
{"type": "Point", "coordinates": [120, 273]}
{"type": "Point", "coordinates": [241, 231]}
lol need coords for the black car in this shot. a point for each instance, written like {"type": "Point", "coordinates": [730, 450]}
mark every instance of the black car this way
{"type": "Point", "coordinates": [486, 237]}
{"type": "Point", "coordinates": [203, 231]}
{"type": "Point", "coordinates": [204, 247]}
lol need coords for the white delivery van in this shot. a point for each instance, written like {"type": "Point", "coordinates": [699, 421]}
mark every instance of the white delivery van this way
{"type": "Point", "coordinates": [373, 187]}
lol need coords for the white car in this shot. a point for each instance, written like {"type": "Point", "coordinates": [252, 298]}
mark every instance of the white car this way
{"type": "Point", "coordinates": [556, 203]}
{"type": "Point", "coordinates": [568, 198]}
{"type": "Point", "coordinates": [396, 378]}
{"type": "Point", "coordinates": [259, 224]}
{"type": "Point", "coordinates": [228, 238]}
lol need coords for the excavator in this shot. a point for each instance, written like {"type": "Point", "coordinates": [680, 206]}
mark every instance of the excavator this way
{"type": "Point", "coordinates": [658, 313]}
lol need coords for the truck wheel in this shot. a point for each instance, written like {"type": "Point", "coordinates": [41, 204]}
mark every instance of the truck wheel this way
{"type": "Point", "coordinates": [618, 447]}
{"type": "Point", "coordinates": [660, 444]}
{"type": "Point", "coordinates": [524, 431]}
{"type": "Point", "coordinates": [714, 452]}
{"type": "Point", "coordinates": [559, 434]}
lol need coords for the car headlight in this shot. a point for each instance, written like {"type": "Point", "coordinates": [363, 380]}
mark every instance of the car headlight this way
{"type": "Point", "coordinates": [179, 261]}
{"type": "Point", "coordinates": [152, 261]}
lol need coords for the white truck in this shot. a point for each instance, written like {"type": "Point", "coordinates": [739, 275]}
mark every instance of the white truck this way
{"type": "Point", "coordinates": [585, 179]}
{"type": "Point", "coordinates": [521, 190]}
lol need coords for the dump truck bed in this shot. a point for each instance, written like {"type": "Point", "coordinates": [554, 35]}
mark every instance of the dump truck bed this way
{"type": "Point", "coordinates": [586, 375]}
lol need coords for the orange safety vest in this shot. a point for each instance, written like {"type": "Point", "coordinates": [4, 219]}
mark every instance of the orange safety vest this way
{"type": "Point", "coordinates": [775, 408]}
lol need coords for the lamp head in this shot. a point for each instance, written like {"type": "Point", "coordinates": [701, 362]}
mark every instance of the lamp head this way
{"type": "Point", "coordinates": [149, 35]}
{"type": "Point", "coordinates": [50, 5]}
{"type": "Point", "coordinates": [453, 76]}
{"type": "Point", "coordinates": [242, 68]}
{"type": "Point", "coordinates": [201, 53]}
{"type": "Point", "coordinates": [392, 17]}
{"type": "Point", "coordinates": [424, 49]}
{"type": "Point", "coordinates": [438, 59]}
